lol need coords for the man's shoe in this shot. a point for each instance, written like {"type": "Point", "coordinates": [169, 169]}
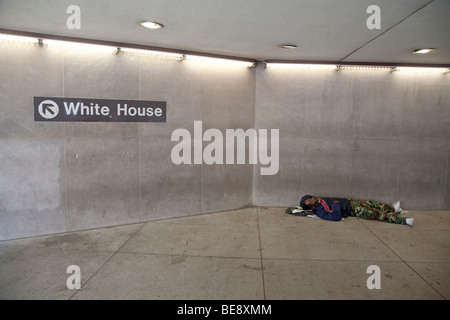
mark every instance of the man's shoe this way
{"type": "Point", "coordinates": [397, 208]}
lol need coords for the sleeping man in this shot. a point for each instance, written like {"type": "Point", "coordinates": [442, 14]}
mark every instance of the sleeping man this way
{"type": "Point", "coordinates": [337, 208]}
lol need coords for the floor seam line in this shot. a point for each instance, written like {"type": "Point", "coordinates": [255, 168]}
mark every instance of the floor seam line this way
{"type": "Point", "coordinates": [406, 263]}
{"type": "Point", "coordinates": [107, 260]}
{"type": "Point", "coordinates": [260, 253]}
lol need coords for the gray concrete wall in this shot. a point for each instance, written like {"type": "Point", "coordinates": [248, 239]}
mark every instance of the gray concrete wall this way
{"type": "Point", "coordinates": [377, 135]}
{"type": "Point", "coordinates": [57, 177]}
{"type": "Point", "coordinates": [360, 134]}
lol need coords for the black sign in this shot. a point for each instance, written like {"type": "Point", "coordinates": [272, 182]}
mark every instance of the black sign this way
{"type": "Point", "coordinates": [98, 110]}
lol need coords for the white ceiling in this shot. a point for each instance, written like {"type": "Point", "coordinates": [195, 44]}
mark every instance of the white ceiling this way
{"type": "Point", "coordinates": [324, 30]}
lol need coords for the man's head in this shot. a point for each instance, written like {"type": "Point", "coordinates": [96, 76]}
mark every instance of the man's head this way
{"type": "Point", "coordinates": [309, 202]}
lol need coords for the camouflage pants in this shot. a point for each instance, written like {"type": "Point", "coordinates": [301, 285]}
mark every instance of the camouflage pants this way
{"type": "Point", "coordinates": [373, 210]}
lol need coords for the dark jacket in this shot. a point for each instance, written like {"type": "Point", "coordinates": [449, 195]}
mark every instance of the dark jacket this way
{"type": "Point", "coordinates": [332, 211]}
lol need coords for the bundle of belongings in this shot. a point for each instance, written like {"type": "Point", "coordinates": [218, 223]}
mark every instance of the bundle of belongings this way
{"type": "Point", "coordinates": [299, 211]}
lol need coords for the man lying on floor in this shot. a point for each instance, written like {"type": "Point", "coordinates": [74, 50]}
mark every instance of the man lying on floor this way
{"type": "Point", "coordinates": [338, 208]}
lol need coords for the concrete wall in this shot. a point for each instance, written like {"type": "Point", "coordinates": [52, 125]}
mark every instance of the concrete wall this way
{"type": "Point", "coordinates": [377, 135]}
{"type": "Point", "coordinates": [360, 134]}
{"type": "Point", "coordinates": [58, 177]}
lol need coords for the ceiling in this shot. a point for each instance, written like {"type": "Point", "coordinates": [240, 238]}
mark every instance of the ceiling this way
{"type": "Point", "coordinates": [323, 30]}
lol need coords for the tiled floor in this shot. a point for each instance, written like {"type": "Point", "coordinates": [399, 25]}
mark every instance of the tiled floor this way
{"type": "Point", "coordinates": [252, 253]}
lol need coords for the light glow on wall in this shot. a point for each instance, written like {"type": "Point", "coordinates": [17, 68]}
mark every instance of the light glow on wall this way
{"type": "Point", "coordinates": [210, 58]}
{"type": "Point", "coordinates": [355, 67]}
{"type": "Point", "coordinates": [205, 59]}
{"type": "Point", "coordinates": [10, 37]}
{"type": "Point", "coordinates": [78, 45]}
{"type": "Point", "coordinates": [301, 66]}
{"type": "Point", "coordinates": [424, 69]}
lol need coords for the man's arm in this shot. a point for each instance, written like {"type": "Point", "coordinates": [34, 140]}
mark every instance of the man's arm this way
{"type": "Point", "coordinates": [334, 214]}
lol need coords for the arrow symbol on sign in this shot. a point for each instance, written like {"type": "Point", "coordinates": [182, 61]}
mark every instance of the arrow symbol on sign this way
{"type": "Point", "coordinates": [47, 107]}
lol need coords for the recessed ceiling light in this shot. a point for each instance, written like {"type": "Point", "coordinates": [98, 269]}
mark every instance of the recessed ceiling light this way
{"type": "Point", "coordinates": [425, 50]}
{"type": "Point", "coordinates": [288, 46]}
{"type": "Point", "coordinates": [151, 25]}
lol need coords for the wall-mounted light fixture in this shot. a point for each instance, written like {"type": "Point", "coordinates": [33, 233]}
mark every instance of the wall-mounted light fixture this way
{"type": "Point", "coordinates": [288, 65]}
{"type": "Point", "coordinates": [356, 66]}
{"type": "Point", "coordinates": [371, 68]}
{"type": "Point", "coordinates": [12, 37]}
{"type": "Point", "coordinates": [424, 69]}
{"type": "Point", "coordinates": [118, 47]}
{"type": "Point", "coordinates": [221, 60]}
{"type": "Point", "coordinates": [80, 45]}
{"type": "Point", "coordinates": [171, 55]}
